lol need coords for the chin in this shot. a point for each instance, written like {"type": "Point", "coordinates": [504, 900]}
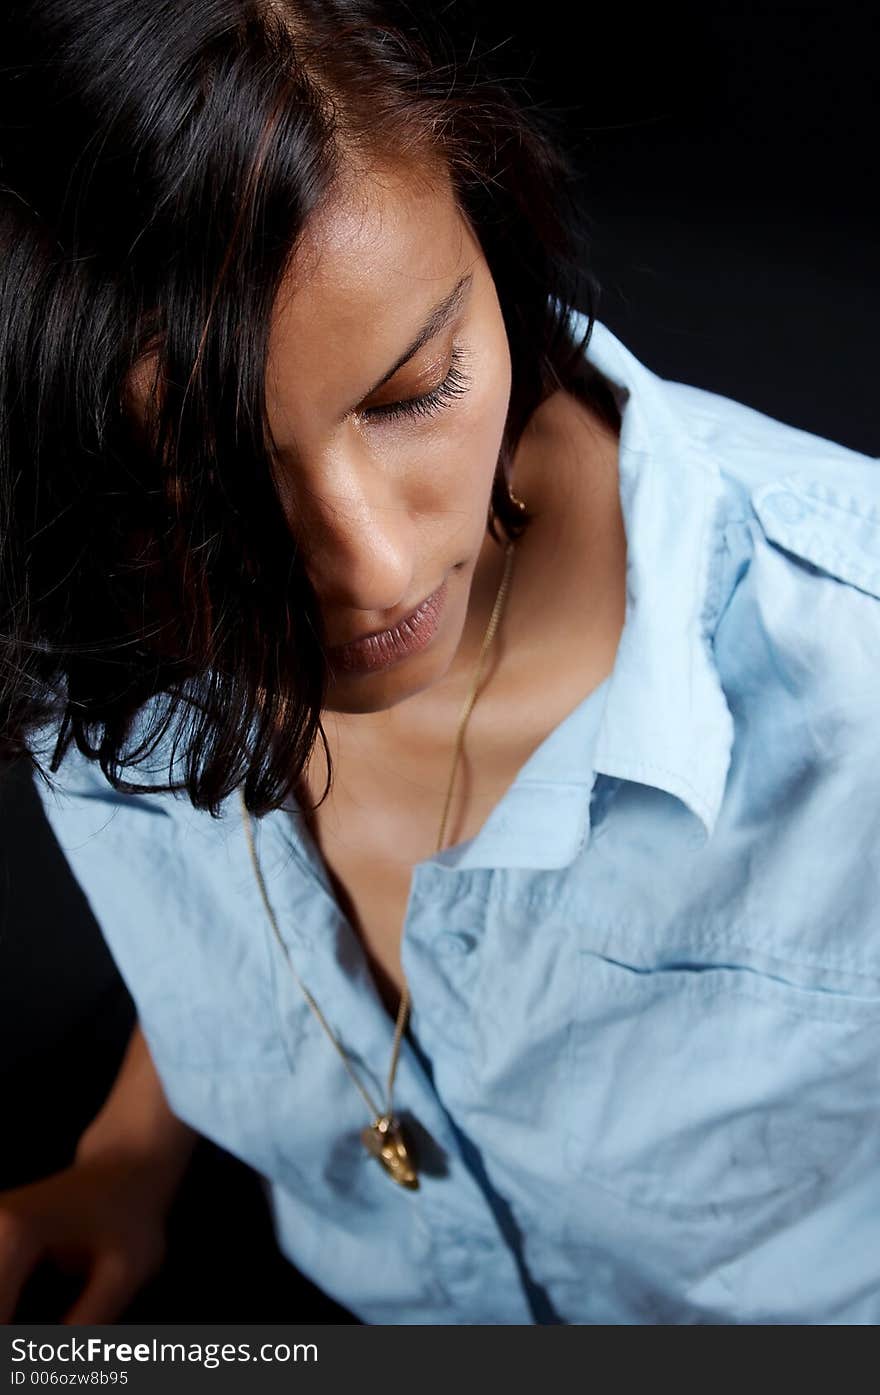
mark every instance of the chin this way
{"type": "Point", "coordinates": [387, 688]}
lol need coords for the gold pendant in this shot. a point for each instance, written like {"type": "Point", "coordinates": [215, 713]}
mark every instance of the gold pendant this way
{"type": "Point", "coordinates": [384, 1139]}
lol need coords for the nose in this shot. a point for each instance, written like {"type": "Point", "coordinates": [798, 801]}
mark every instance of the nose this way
{"type": "Point", "coordinates": [359, 537]}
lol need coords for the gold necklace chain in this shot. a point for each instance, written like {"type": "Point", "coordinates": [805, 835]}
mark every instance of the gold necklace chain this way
{"type": "Point", "coordinates": [384, 1136]}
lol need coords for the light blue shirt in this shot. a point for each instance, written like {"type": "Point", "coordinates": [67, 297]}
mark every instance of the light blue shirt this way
{"type": "Point", "coordinates": [645, 996]}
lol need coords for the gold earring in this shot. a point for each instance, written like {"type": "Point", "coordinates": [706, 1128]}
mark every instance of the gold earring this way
{"type": "Point", "coordinates": [515, 500]}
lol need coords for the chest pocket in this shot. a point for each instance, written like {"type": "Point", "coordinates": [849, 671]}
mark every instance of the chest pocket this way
{"type": "Point", "coordinates": [718, 1092]}
{"type": "Point", "coordinates": [833, 524]}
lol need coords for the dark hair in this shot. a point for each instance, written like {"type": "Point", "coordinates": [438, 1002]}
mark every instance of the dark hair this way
{"type": "Point", "coordinates": [159, 165]}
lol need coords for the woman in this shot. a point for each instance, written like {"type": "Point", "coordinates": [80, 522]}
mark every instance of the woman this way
{"type": "Point", "coordinates": [464, 737]}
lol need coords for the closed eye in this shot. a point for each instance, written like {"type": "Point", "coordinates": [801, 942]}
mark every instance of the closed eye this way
{"type": "Point", "coordinates": [454, 385]}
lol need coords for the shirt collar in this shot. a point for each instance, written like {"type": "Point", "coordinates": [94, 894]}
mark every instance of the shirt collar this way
{"type": "Point", "coordinates": [661, 718]}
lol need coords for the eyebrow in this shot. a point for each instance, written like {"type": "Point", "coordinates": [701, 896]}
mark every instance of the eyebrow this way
{"type": "Point", "coordinates": [437, 319]}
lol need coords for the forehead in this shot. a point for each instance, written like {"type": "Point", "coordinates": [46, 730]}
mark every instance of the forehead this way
{"type": "Point", "coordinates": [380, 254]}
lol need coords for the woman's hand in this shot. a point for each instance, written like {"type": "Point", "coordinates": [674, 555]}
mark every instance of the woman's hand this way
{"type": "Point", "coordinates": [102, 1218]}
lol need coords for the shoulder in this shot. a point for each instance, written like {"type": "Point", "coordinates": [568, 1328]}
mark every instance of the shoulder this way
{"type": "Point", "coordinates": [132, 853]}
{"type": "Point", "coordinates": [81, 803]}
{"type": "Point", "coordinates": [754, 447]}
{"type": "Point", "coordinates": [171, 891]}
{"type": "Point", "coordinates": [810, 507]}
{"type": "Point", "coordinates": [797, 640]}
{"type": "Point", "coordinates": [796, 645]}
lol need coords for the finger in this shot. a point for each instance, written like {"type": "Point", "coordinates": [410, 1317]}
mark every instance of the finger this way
{"type": "Point", "coordinates": [19, 1252]}
{"type": "Point", "coordinates": [110, 1285]}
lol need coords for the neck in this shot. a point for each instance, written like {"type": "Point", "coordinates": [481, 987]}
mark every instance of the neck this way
{"type": "Point", "coordinates": [573, 550]}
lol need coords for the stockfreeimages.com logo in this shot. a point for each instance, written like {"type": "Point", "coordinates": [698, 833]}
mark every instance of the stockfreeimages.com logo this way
{"type": "Point", "coordinates": [94, 1350]}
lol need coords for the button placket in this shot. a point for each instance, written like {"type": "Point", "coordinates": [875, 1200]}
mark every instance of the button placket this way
{"type": "Point", "coordinates": [444, 919]}
{"type": "Point", "coordinates": [441, 960]}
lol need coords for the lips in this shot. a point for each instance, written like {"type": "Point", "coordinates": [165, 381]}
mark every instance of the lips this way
{"type": "Point", "coordinates": [380, 650]}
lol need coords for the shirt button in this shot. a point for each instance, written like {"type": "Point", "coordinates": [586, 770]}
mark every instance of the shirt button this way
{"type": "Point", "coordinates": [455, 942]}
{"type": "Point", "coordinates": [786, 507]}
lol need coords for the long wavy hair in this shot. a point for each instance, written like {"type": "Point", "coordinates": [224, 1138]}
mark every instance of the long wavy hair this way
{"type": "Point", "coordinates": [161, 160]}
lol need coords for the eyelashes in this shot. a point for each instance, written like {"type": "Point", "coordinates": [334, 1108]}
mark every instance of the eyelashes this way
{"type": "Point", "coordinates": [454, 385]}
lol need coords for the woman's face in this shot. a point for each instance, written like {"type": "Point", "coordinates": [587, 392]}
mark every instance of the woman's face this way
{"type": "Point", "coordinates": [387, 389]}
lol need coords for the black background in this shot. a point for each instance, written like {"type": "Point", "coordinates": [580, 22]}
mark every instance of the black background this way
{"type": "Point", "coordinates": [727, 167]}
